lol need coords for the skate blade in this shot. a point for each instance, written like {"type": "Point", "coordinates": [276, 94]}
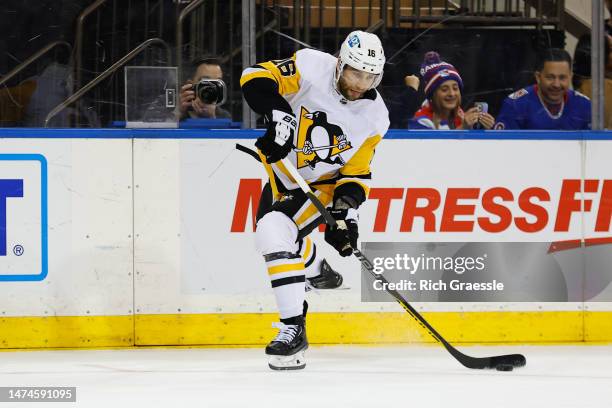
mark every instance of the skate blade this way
{"type": "Point", "coordinates": [294, 362]}
{"type": "Point", "coordinates": [310, 288]}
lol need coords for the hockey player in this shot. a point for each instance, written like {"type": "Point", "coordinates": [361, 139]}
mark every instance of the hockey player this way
{"type": "Point", "coordinates": [549, 104]}
{"type": "Point", "coordinates": [325, 115]}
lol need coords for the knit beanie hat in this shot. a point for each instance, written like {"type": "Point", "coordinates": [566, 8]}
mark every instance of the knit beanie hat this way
{"type": "Point", "coordinates": [434, 72]}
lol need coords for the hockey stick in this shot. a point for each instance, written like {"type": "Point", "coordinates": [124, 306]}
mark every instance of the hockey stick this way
{"type": "Point", "coordinates": [505, 362]}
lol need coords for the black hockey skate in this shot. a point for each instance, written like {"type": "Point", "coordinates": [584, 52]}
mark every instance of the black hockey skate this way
{"type": "Point", "coordinates": [286, 350]}
{"type": "Point", "coordinates": [327, 278]}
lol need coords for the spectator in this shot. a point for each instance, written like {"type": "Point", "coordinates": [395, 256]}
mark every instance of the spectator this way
{"type": "Point", "coordinates": [549, 104]}
{"type": "Point", "coordinates": [192, 107]}
{"type": "Point", "coordinates": [442, 107]}
{"type": "Point", "coordinates": [404, 104]}
{"type": "Point", "coordinates": [54, 86]}
{"type": "Point", "coordinates": [582, 73]}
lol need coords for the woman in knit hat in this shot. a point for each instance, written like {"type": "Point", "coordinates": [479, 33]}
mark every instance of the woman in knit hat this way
{"type": "Point", "coordinates": [442, 108]}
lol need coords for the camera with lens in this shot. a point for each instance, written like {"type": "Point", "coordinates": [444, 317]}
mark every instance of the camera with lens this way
{"type": "Point", "coordinates": [211, 91]}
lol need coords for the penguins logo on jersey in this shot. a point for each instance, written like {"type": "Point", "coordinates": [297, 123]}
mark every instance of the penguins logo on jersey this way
{"type": "Point", "coordinates": [286, 197]}
{"type": "Point", "coordinates": [319, 140]}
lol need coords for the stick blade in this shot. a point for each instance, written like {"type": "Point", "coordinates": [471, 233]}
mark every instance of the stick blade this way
{"type": "Point", "coordinates": [515, 360]}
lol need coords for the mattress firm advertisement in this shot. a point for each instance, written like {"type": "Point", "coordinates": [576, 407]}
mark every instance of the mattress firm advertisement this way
{"type": "Point", "coordinates": [446, 221]}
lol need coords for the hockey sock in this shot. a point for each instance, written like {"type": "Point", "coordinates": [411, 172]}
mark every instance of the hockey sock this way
{"type": "Point", "coordinates": [288, 282]}
{"type": "Point", "coordinates": [308, 251]}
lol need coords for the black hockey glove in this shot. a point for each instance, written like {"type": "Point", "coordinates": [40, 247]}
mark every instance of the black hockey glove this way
{"type": "Point", "coordinates": [278, 140]}
{"type": "Point", "coordinates": [343, 236]}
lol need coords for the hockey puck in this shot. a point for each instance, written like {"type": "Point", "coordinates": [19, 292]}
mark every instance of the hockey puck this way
{"type": "Point", "coordinates": [504, 367]}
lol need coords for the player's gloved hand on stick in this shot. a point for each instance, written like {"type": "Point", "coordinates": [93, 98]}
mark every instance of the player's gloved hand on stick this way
{"type": "Point", "coordinates": [343, 236]}
{"type": "Point", "coordinates": [278, 140]}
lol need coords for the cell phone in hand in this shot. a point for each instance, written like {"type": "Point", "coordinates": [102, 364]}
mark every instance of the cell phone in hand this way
{"type": "Point", "coordinates": [482, 107]}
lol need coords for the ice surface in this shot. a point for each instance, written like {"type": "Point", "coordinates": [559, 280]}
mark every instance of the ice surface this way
{"type": "Point", "coordinates": [335, 376]}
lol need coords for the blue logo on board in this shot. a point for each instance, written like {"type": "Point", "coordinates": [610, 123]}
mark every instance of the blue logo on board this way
{"type": "Point", "coordinates": [23, 217]}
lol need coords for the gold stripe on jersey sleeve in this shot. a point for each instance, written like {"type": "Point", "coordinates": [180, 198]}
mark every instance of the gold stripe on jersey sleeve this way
{"type": "Point", "coordinates": [359, 164]}
{"type": "Point", "coordinates": [260, 73]}
{"type": "Point", "coordinates": [283, 72]}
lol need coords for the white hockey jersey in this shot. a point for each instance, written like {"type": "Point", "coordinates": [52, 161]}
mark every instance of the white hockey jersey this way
{"type": "Point", "coordinates": [335, 138]}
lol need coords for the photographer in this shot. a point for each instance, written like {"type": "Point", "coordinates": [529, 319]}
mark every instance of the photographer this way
{"type": "Point", "coordinates": [190, 103]}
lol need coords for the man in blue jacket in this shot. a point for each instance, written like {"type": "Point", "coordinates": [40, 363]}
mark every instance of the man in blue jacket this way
{"type": "Point", "coordinates": [549, 104]}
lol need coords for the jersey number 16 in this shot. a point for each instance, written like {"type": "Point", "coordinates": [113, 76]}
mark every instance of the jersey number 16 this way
{"type": "Point", "coordinates": [286, 67]}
